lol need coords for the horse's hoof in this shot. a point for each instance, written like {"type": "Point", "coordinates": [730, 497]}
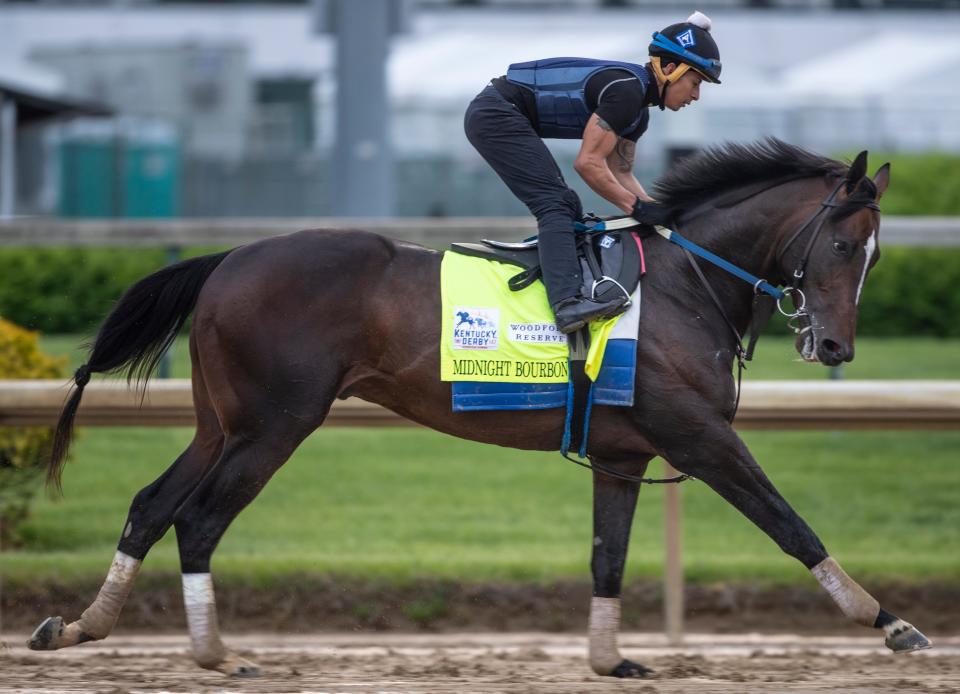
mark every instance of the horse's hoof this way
{"type": "Point", "coordinates": [906, 638]}
{"type": "Point", "coordinates": [246, 671]}
{"type": "Point", "coordinates": [630, 669]}
{"type": "Point", "coordinates": [240, 668]}
{"type": "Point", "coordinates": [46, 637]}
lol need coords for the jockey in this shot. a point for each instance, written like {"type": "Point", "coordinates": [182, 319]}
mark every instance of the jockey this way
{"type": "Point", "coordinates": [603, 103]}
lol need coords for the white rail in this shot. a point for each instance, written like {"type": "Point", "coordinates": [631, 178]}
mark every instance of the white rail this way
{"type": "Point", "coordinates": [434, 232]}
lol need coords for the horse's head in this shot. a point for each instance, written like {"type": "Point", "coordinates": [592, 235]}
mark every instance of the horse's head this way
{"type": "Point", "coordinates": [828, 258]}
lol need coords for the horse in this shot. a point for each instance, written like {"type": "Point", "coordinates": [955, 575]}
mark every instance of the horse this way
{"type": "Point", "coordinates": [284, 326]}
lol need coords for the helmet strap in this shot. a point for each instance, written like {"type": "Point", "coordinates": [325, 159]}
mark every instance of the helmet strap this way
{"type": "Point", "coordinates": [666, 80]}
{"type": "Point", "coordinates": [677, 73]}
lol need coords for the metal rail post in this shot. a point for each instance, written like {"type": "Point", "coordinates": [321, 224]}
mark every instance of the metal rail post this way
{"type": "Point", "coordinates": [364, 166]}
{"type": "Point", "coordinates": [673, 561]}
{"type": "Point", "coordinates": [8, 157]}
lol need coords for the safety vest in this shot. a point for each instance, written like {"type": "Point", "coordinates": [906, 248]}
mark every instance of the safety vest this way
{"type": "Point", "coordinates": [558, 85]}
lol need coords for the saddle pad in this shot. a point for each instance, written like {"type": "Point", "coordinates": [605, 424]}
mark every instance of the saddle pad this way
{"type": "Point", "coordinates": [502, 350]}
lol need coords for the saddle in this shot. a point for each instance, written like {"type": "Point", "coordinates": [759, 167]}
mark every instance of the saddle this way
{"type": "Point", "coordinates": [609, 254]}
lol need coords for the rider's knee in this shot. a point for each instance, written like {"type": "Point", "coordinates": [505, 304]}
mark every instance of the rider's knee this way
{"type": "Point", "coordinates": [565, 206]}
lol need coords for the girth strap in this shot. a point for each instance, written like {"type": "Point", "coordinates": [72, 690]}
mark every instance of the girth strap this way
{"type": "Point", "coordinates": [579, 396]}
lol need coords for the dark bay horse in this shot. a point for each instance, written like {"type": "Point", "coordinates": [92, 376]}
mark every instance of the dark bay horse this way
{"type": "Point", "coordinates": [284, 326]}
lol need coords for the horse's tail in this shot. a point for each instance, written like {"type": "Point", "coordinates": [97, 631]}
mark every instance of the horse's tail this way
{"type": "Point", "coordinates": [134, 337]}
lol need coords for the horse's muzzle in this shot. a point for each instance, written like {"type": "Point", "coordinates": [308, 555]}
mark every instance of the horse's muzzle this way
{"type": "Point", "coordinates": [834, 353]}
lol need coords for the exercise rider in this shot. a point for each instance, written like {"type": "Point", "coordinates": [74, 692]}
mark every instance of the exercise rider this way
{"type": "Point", "coordinates": [604, 103]}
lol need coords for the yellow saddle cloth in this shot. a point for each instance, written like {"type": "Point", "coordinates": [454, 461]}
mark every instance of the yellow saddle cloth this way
{"type": "Point", "coordinates": [492, 334]}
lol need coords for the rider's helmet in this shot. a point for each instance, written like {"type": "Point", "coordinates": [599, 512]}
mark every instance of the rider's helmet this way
{"type": "Point", "coordinates": [690, 45]}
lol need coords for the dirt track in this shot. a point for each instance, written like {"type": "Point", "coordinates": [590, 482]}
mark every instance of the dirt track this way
{"type": "Point", "coordinates": [486, 663]}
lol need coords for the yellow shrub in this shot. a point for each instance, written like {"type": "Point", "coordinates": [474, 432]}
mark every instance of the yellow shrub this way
{"type": "Point", "coordinates": [23, 450]}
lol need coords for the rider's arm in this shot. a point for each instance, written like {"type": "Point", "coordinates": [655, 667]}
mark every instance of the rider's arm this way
{"type": "Point", "coordinates": [599, 142]}
{"type": "Point", "coordinates": [620, 161]}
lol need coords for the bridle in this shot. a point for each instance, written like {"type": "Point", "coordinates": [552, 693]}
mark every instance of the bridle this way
{"type": "Point", "coordinates": [792, 287]}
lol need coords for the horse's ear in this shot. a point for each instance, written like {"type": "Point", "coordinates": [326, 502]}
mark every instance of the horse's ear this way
{"type": "Point", "coordinates": [858, 169]}
{"type": "Point", "coordinates": [882, 179]}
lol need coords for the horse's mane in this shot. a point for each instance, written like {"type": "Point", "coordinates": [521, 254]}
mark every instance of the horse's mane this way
{"type": "Point", "coordinates": [732, 166]}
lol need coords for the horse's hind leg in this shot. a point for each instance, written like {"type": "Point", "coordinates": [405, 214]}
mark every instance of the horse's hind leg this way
{"type": "Point", "coordinates": [244, 468]}
{"type": "Point", "coordinates": [614, 502]}
{"type": "Point", "coordinates": [727, 466]}
{"type": "Point", "coordinates": [149, 518]}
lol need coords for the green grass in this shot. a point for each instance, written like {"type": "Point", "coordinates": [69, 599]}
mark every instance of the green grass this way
{"type": "Point", "coordinates": [399, 504]}
{"type": "Point", "coordinates": [405, 503]}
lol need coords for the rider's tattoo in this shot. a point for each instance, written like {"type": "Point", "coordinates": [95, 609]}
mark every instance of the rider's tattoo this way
{"type": "Point", "coordinates": [604, 124]}
{"type": "Point", "coordinates": [626, 152]}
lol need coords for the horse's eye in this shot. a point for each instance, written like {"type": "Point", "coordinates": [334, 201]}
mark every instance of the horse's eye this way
{"type": "Point", "coordinates": [841, 247]}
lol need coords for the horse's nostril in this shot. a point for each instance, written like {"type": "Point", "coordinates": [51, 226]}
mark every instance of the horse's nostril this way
{"type": "Point", "coordinates": [830, 346]}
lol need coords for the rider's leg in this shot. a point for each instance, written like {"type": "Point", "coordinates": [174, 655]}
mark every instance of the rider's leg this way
{"type": "Point", "coordinates": [507, 141]}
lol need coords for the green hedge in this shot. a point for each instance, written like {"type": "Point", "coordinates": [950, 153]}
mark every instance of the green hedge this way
{"type": "Point", "coordinates": [68, 290]}
{"type": "Point", "coordinates": [920, 184]}
{"type": "Point", "coordinates": [912, 291]}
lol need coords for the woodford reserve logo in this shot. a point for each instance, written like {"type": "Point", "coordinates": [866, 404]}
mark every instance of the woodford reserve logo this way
{"type": "Point", "coordinates": [536, 333]}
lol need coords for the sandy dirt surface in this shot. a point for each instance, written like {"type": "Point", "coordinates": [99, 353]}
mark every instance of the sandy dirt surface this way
{"type": "Point", "coordinates": [531, 662]}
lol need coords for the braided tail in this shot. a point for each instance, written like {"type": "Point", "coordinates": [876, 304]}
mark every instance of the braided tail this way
{"type": "Point", "coordinates": [134, 337]}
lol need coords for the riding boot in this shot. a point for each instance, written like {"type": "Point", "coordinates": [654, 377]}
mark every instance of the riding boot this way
{"type": "Point", "coordinates": [563, 279]}
{"type": "Point", "coordinates": [575, 312]}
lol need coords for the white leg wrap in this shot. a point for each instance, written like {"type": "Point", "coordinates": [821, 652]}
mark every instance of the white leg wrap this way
{"type": "Point", "coordinates": [98, 620]}
{"type": "Point", "coordinates": [201, 608]}
{"type": "Point", "coordinates": [604, 626]}
{"type": "Point", "coordinates": [853, 600]}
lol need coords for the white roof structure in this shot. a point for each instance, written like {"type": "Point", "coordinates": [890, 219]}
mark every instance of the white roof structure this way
{"type": "Point", "coordinates": [887, 67]}
{"type": "Point", "coordinates": [31, 77]}
{"type": "Point", "coordinates": [779, 66]}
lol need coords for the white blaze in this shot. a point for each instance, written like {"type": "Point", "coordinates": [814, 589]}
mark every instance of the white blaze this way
{"type": "Point", "coordinates": [868, 248]}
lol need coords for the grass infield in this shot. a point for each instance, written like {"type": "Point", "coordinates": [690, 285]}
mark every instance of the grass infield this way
{"type": "Point", "coordinates": [401, 504]}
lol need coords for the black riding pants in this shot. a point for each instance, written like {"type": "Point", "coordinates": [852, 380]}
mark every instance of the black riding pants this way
{"type": "Point", "coordinates": [507, 141]}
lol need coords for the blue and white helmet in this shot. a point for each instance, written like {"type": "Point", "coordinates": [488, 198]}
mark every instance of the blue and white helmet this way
{"type": "Point", "coordinates": [690, 45]}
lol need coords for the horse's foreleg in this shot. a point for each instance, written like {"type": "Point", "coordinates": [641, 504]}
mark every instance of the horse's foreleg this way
{"type": "Point", "coordinates": [614, 502]}
{"type": "Point", "coordinates": [727, 466]}
{"type": "Point", "coordinates": [150, 515]}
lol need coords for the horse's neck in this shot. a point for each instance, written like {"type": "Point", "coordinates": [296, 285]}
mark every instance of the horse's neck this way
{"type": "Point", "coordinates": [748, 235]}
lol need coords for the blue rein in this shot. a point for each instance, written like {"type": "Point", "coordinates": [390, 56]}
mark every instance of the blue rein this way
{"type": "Point", "coordinates": [758, 284]}
{"type": "Point", "coordinates": [674, 237]}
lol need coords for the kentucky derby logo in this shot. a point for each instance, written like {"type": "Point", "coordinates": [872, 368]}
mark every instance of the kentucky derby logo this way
{"type": "Point", "coordinates": [686, 39]}
{"type": "Point", "coordinates": [475, 328]}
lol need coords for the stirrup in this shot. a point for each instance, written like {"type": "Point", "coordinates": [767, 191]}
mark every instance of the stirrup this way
{"type": "Point", "coordinates": [605, 278]}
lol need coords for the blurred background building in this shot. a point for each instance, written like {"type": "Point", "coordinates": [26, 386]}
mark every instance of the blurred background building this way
{"type": "Point", "coordinates": [230, 108]}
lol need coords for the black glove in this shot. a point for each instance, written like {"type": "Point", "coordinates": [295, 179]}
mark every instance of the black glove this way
{"type": "Point", "coordinates": [652, 213]}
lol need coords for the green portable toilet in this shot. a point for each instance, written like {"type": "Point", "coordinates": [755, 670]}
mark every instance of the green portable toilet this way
{"type": "Point", "coordinates": [86, 178]}
{"type": "Point", "coordinates": [119, 168]}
